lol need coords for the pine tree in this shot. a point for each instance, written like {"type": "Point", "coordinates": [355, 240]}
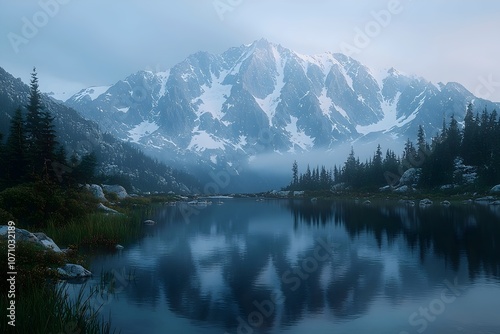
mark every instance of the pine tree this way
{"type": "Point", "coordinates": [295, 175]}
{"type": "Point", "coordinates": [470, 145]}
{"type": "Point", "coordinates": [41, 136]}
{"type": "Point", "coordinates": [34, 127]}
{"type": "Point", "coordinates": [15, 151]}
{"type": "Point", "coordinates": [453, 138]}
{"type": "Point", "coordinates": [421, 143]}
{"type": "Point", "coordinates": [350, 171]}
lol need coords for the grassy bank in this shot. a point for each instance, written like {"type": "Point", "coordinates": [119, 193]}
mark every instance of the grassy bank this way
{"type": "Point", "coordinates": [96, 230]}
{"type": "Point", "coordinates": [68, 216]}
{"type": "Point", "coordinates": [452, 195]}
{"type": "Point", "coordinates": [42, 306]}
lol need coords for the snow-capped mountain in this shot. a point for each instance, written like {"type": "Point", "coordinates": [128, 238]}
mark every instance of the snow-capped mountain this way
{"type": "Point", "coordinates": [81, 136]}
{"type": "Point", "coordinates": [263, 97]}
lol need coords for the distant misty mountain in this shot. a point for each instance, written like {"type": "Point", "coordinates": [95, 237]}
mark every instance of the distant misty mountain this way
{"type": "Point", "coordinates": [220, 110]}
{"type": "Point", "coordinates": [81, 136]}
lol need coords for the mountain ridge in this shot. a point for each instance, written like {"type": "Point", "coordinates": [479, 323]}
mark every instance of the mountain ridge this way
{"type": "Point", "coordinates": [81, 136]}
{"type": "Point", "coordinates": [222, 109]}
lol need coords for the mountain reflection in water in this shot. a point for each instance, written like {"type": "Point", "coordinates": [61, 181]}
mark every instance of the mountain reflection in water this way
{"type": "Point", "coordinates": [288, 265]}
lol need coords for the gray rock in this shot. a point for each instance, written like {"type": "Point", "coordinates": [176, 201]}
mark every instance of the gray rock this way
{"type": "Point", "coordinates": [410, 176]}
{"type": "Point", "coordinates": [445, 203]}
{"type": "Point", "coordinates": [402, 189]}
{"type": "Point", "coordinates": [104, 208]}
{"type": "Point", "coordinates": [97, 192]}
{"type": "Point", "coordinates": [38, 238]}
{"type": "Point", "coordinates": [47, 242]}
{"type": "Point", "coordinates": [485, 200]}
{"type": "Point", "coordinates": [495, 189]}
{"type": "Point", "coordinates": [425, 202]}
{"type": "Point", "coordinates": [70, 271]}
{"type": "Point", "coordinates": [407, 202]}
{"type": "Point", "coordinates": [116, 189]}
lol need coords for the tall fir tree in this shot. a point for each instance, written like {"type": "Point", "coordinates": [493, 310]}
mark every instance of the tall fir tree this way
{"type": "Point", "coordinates": [15, 151]}
{"type": "Point", "coordinates": [295, 175]}
{"type": "Point", "coordinates": [41, 135]}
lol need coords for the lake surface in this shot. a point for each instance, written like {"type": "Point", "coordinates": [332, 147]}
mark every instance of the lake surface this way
{"type": "Point", "coordinates": [282, 266]}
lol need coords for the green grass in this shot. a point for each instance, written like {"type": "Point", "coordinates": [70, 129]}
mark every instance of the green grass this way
{"type": "Point", "coordinates": [96, 230]}
{"type": "Point", "coordinates": [49, 309]}
{"type": "Point", "coordinates": [42, 306]}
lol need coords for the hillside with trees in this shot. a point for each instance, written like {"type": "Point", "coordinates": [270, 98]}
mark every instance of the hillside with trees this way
{"type": "Point", "coordinates": [459, 156]}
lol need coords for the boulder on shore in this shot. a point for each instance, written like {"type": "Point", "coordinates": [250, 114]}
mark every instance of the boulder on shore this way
{"type": "Point", "coordinates": [425, 202]}
{"type": "Point", "coordinates": [495, 189]}
{"type": "Point", "coordinates": [104, 208]}
{"type": "Point", "coordinates": [97, 192]}
{"type": "Point", "coordinates": [410, 177]}
{"type": "Point", "coordinates": [71, 271]}
{"type": "Point", "coordinates": [120, 192]}
{"type": "Point", "coordinates": [38, 238]}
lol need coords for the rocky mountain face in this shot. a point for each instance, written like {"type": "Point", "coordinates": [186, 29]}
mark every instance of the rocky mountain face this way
{"type": "Point", "coordinates": [221, 110]}
{"type": "Point", "coordinates": [82, 136]}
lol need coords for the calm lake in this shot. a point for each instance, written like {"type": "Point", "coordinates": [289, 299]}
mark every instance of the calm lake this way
{"type": "Point", "coordinates": [294, 266]}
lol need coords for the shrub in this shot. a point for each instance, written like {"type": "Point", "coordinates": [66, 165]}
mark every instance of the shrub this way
{"type": "Point", "coordinates": [37, 203]}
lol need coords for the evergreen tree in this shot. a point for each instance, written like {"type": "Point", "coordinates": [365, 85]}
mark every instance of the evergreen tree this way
{"type": "Point", "coordinates": [421, 143]}
{"type": "Point", "coordinates": [470, 141]}
{"type": "Point", "coordinates": [15, 151]}
{"type": "Point", "coordinates": [453, 139]}
{"type": "Point", "coordinates": [336, 176]}
{"type": "Point", "coordinates": [84, 172]}
{"type": "Point", "coordinates": [377, 174]}
{"type": "Point", "coordinates": [34, 127]}
{"type": "Point", "coordinates": [350, 171]}
{"type": "Point", "coordinates": [295, 175]}
{"type": "Point", "coordinates": [41, 136]}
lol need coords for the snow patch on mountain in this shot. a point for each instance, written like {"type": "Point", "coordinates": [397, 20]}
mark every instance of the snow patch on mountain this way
{"type": "Point", "coordinates": [325, 102]}
{"type": "Point", "coordinates": [213, 98]}
{"type": "Point", "coordinates": [92, 92]}
{"type": "Point", "coordinates": [163, 76]}
{"type": "Point", "coordinates": [203, 140]}
{"type": "Point", "coordinates": [388, 121]}
{"type": "Point", "coordinates": [297, 137]}
{"type": "Point", "coordinates": [270, 102]}
{"type": "Point", "coordinates": [142, 129]}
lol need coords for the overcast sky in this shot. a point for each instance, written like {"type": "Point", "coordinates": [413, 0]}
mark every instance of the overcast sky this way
{"type": "Point", "coordinates": [81, 43]}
